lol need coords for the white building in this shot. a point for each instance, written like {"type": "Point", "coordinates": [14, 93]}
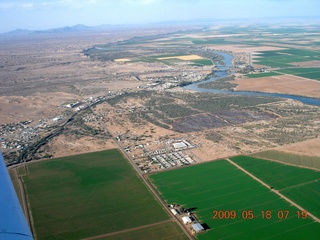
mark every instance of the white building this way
{"type": "Point", "coordinates": [197, 227]}
{"type": "Point", "coordinates": [186, 220]}
{"type": "Point", "coordinates": [174, 211]}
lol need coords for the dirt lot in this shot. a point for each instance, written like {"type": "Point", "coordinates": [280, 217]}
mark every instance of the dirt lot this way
{"type": "Point", "coordinates": [66, 145]}
{"type": "Point", "coordinates": [309, 148]}
{"type": "Point", "coordinates": [288, 84]}
{"type": "Point", "coordinates": [32, 108]}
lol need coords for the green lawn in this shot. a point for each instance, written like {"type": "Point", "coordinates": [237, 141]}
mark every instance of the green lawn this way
{"type": "Point", "coordinates": [218, 185]}
{"type": "Point", "coordinates": [88, 195]}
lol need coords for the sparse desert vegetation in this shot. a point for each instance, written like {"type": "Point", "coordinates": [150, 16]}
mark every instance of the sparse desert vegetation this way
{"type": "Point", "coordinates": [63, 95]}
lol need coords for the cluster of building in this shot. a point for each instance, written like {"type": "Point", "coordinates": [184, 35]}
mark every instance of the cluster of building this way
{"type": "Point", "coordinates": [171, 160]}
{"type": "Point", "coordinates": [77, 106]}
{"type": "Point", "coordinates": [188, 219]}
{"type": "Point", "coordinates": [172, 155]}
{"type": "Point", "coordinates": [167, 82]}
{"type": "Point", "coordinates": [17, 135]}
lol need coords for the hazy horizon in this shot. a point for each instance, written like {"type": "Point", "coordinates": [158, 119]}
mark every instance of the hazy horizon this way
{"type": "Point", "coordinates": [40, 15]}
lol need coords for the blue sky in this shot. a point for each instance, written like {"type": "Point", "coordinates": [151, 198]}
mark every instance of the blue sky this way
{"type": "Point", "coordinates": [43, 14]}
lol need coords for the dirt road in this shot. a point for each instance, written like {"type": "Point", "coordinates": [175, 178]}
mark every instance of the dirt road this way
{"type": "Point", "coordinates": [275, 191]}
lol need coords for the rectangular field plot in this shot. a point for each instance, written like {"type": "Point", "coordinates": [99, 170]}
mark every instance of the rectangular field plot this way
{"type": "Point", "coordinates": [300, 160]}
{"type": "Point", "coordinates": [168, 231]}
{"type": "Point", "coordinates": [221, 186]}
{"type": "Point", "coordinates": [311, 202]}
{"type": "Point", "coordinates": [312, 73]}
{"type": "Point", "coordinates": [299, 184]}
{"type": "Point", "coordinates": [284, 58]}
{"type": "Point", "coordinates": [88, 195]}
{"type": "Point", "coordinates": [276, 174]}
{"type": "Point", "coordinates": [259, 75]}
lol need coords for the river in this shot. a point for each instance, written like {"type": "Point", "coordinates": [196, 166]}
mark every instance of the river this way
{"type": "Point", "coordinates": [222, 71]}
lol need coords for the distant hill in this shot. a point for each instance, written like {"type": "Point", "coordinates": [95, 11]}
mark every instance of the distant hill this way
{"type": "Point", "coordinates": [66, 29]}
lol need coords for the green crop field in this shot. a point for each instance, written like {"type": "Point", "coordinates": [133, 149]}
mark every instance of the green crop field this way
{"type": "Point", "coordinates": [312, 73]}
{"type": "Point", "coordinates": [87, 195]}
{"type": "Point", "coordinates": [168, 231]}
{"type": "Point", "coordinates": [202, 62]}
{"type": "Point", "coordinates": [300, 160]}
{"type": "Point", "coordinates": [299, 184]}
{"type": "Point", "coordinates": [309, 202]}
{"type": "Point", "coordinates": [259, 75]}
{"type": "Point", "coordinates": [283, 58]}
{"type": "Point", "coordinates": [278, 175]}
{"type": "Point", "coordinates": [219, 185]}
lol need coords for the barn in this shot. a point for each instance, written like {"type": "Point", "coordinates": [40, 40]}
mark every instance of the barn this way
{"type": "Point", "coordinates": [197, 227]}
{"type": "Point", "coordinates": [186, 220]}
{"type": "Point", "coordinates": [174, 211]}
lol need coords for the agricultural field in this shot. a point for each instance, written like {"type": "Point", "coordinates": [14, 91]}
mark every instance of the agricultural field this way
{"type": "Point", "coordinates": [192, 59]}
{"type": "Point", "coordinates": [312, 73]}
{"type": "Point", "coordinates": [167, 230]}
{"type": "Point", "coordinates": [299, 184]}
{"type": "Point", "coordinates": [260, 75]}
{"type": "Point", "coordinates": [289, 158]}
{"type": "Point", "coordinates": [220, 186]}
{"type": "Point", "coordinates": [88, 195]}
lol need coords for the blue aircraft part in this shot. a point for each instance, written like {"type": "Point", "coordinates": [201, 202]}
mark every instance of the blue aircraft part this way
{"type": "Point", "coordinates": [13, 224]}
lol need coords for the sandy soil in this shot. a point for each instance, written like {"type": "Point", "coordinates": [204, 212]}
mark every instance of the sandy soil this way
{"type": "Point", "coordinates": [309, 148]}
{"type": "Point", "coordinates": [38, 106]}
{"type": "Point", "coordinates": [288, 84]}
{"type": "Point", "coordinates": [185, 57]}
{"type": "Point", "coordinates": [65, 146]}
{"type": "Point", "coordinates": [122, 60]}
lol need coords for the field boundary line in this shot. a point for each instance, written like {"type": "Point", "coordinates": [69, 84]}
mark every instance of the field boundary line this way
{"type": "Point", "coordinates": [284, 163]}
{"type": "Point", "coordinates": [301, 184]}
{"type": "Point", "coordinates": [128, 230]}
{"type": "Point", "coordinates": [273, 190]}
{"type": "Point", "coordinates": [150, 187]}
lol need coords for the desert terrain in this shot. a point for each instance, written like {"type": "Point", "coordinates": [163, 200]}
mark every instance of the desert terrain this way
{"type": "Point", "coordinates": [288, 84]}
{"type": "Point", "coordinates": [64, 94]}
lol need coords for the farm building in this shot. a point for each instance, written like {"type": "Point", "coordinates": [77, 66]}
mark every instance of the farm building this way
{"type": "Point", "coordinates": [174, 211]}
{"type": "Point", "coordinates": [197, 227]}
{"type": "Point", "coordinates": [186, 220]}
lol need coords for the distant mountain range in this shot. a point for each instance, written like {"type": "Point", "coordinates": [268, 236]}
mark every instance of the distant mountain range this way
{"type": "Point", "coordinates": [66, 29]}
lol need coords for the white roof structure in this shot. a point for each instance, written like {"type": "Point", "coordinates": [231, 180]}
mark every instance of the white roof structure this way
{"type": "Point", "coordinates": [175, 212]}
{"type": "Point", "coordinates": [186, 220]}
{"type": "Point", "coordinates": [197, 227]}
{"type": "Point", "coordinates": [179, 145]}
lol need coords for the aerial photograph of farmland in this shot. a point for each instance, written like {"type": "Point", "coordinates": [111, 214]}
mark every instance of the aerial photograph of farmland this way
{"type": "Point", "coordinates": [157, 119]}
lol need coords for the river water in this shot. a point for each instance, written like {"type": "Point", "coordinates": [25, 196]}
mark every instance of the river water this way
{"type": "Point", "coordinates": [222, 71]}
